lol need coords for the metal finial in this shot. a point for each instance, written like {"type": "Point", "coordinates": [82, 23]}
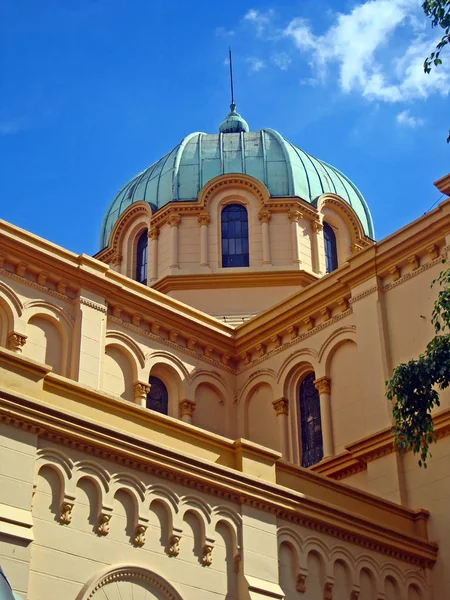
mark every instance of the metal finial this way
{"type": "Point", "coordinates": [233, 105]}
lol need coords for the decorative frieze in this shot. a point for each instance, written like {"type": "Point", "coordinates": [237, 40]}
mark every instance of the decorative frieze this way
{"type": "Point", "coordinates": [91, 304]}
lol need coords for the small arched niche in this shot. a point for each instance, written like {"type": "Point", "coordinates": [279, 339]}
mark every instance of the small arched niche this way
{"type": "Point", "coordinates": [45, 343]}
{"type": "Point", "coordinates": [288, 570]}
{"type": "Point", "coordinates": [342, 581]}
{"type": "Point", "coordinates": [210, 413]}
{"type": "Point", "coordinates": [261, 419]}
{"type": "Point", "coordinates": [118, 373]}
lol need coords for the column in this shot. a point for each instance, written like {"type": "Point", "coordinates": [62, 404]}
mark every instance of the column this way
{"type": "Point", "coordinates": [324, 388]}
{"type": "Point", "coordinates": [264, 217]}
{"type": "Point", "coordinates": [174, 222]}
{"type": "Point", "coordinates": [187, 408]}
{"type": "Point", "coordinates": [140, 393]}
{"type": "Point", "coordinates": [281, 407]}
{"type": "Point", "coordinates": [204, 219]}
{"type": "Point", "coordinates": [316, 228]}
{"type": "Point", "coordinates": [153, 235]}
{"type": "Point", "coordinates": [294, 218]}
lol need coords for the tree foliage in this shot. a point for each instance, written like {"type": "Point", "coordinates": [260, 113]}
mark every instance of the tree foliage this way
{"type": "Point", "coordinates": [413, 387]}
{"type": "Point", "coordinates": [439, 13]}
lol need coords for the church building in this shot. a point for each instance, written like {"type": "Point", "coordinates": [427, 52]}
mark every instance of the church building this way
{"type": "Point", "coordinates": [198, 412]}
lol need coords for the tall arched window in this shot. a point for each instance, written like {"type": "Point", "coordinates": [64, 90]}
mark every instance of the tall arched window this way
{"type": "Point", "coordinates": [142, 257]}
{"type": "Point", "coordinates": [235, 236]}
{"type": "Point", "coordinates": [329, 237]}
{"type": "Point", "coordinates": [310, 422]}
{"type": "Point", "coordinates": [158, 397]}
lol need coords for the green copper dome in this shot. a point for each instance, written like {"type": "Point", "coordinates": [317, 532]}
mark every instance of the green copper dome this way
{"type": "Point", "coordinates": [282, 167]}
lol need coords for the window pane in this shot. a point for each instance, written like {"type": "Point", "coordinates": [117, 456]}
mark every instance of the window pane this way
{"type": "Point", "coordinates": [310, 422]}
{"type": "Point", "coordinates": [235, 231]}
{"type": "Point", "coordinates": [142, 257]}
{"type": "Point", "coordinates": [158, 397]}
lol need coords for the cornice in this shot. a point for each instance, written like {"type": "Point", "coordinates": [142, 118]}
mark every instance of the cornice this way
{"type": "Point", "coordinates": [94, 438]}
{"type": "Point", "coordinates": [227, 280]}
{"type": "Point", "coordinates": [377, 445]}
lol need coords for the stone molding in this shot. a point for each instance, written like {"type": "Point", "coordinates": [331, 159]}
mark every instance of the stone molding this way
{"type": "Point", "coordinates": [281, 406]}
{"type": "Point", "coordinates": [91, 304]}
{"type": "Point", "coordinates": [204, 219]}
{"type": "Point", "coordinates": [16, 341]}
{"type": "Point", "coordinates": [237, 489]}
{"type": "Point", "coordinates": [130, 574]}
{"type": "Point", "coordinates": [323, 385]}
{"type": "Point", "coordinates": [187, 408]}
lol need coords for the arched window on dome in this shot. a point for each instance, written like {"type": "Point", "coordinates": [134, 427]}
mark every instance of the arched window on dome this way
{"type": "Point", "coordinates": [311, 442]}
{"type": "Point", "coordinates": [235, 236]}
{"type": "Point", "coordinates": [158, 397]}
{"type": "Point", "coordinates": [329, 237]}
{"type": "Point", "coordinates": [142, 257]}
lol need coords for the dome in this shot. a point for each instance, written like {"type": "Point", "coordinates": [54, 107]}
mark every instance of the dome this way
{"type": "Point", "coordinates": [285, 169]}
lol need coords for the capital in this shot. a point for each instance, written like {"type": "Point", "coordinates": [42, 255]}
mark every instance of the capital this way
{"type": "Point", "coordinates": [317, 226]}
{"type": "Point", "coordinates": [187, 408]}
{"type": "Point", "coordinates": [174, 220]}
{"type": "Point", "coordinates": [295, 216]}
{"type": "Point", "coordinates": [16, 341]}
{"type": "Point", "coordinates": [264, 216]}
{"type": "Point", "coordinates": [281, 406]}
{"type": "Point", "coordinates": [141, 389]}
{"type": "Point", "coordinates": [323, 385]}
{"type": "Point", "coordinates": [204, 219]}
{"type": "Point", "coordinates": [153, 233]}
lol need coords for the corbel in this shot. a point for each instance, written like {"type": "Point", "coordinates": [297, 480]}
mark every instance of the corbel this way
{"type": "Point", "coordinates": [414, 261]}
{"type": "Point", "coordinates": [433, 251]}
{"type": "Point", "coordinates": [117, 311]}
{"type": "Point", "coordinates": [259, 350]}
{"type": "Point", "coordinates": [61, 287]}
{"type": "Point", "coordinates": [325, 314]}
{"type": "Point", "coordinates": [21, 269]}
{"type": "Point", "coordinates": [191, 342]}
{"type": "Point", "coordinates": [395, 272]}
{"type": "Point", "coordinates": [136, 319]}
{"type": "Point", "coordinates": [173, 335]}
{"type": "Point", "coordinates": [309, 323]}
{"type": "Point", "coordinates": [155, 327]}
{"type": "Point", "coordinates": [42, 278]}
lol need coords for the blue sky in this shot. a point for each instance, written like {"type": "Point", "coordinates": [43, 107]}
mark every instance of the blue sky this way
{"type": "Point", "coordinates": [93, 91]}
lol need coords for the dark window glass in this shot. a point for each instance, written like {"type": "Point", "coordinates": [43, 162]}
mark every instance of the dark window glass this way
{"type": "Point", "coordinates": [235, 236]}
{"type": "Point", "coordinates": [329, 237]}
{"type": "Point", "coordinates": [158, 398]}
{"type": "Point", "coordinates": [142, 257]}
{"type": "Point", "coordinates": [310, 422]}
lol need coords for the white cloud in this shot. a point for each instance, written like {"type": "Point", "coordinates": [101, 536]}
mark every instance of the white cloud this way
{"type": "Point", "coordinates": [224, 32]}
{"type": "Point", "coordinates": [363, 44]}
{"type": "Point", "coordinates": [262, 21]}
{"type": "Point", "coordinates": [407, 120]}
{"type": "Point", "coordinates": [255, 64]}
{"type": "Point", "coordinates": [282, 60]}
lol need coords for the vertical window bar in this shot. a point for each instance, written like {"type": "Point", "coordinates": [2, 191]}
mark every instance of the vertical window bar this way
{"type": "Point", "coordinates": [310, 422]}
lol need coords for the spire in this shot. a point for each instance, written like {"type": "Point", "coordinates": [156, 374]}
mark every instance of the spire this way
{"type": "Point", "coordinates": [233, 123]}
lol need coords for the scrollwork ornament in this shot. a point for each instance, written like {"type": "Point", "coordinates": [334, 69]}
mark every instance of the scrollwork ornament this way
{"type": "Point", "coordinates": [300, 585]}
{"type": "Point", "coordinates": [103, 524]}
{"type": "Point", "coordinates": [65, 516]}
{"type": "Point", "coordinates": [207, 555]}
{"type": "Point", "coordinates": [139, 535]}
{"type": "Point", "coordinates": [174, 545]}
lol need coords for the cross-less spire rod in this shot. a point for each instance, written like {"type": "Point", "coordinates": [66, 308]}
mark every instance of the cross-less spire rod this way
{"type": "Point", "coordinates": [231, 78]}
